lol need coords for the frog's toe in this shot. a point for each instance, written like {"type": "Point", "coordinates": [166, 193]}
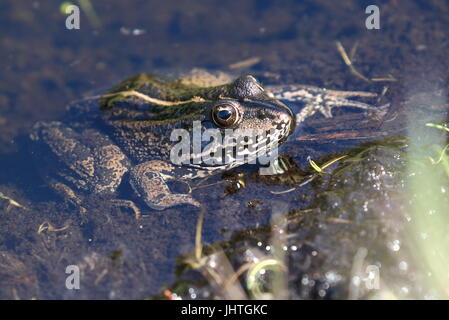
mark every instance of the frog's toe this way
{"type": "Point", "coordinates": [326, 106]}
{"type": "Point", "coordinates": [171, 200]}
{"type": "Point", "coordinates": [128, 204]}
{"type": "Point", "coordinates": [69, 195]}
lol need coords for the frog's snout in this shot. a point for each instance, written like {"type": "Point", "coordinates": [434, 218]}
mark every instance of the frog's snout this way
{"type": "Point", "coordinates": [286, 117]}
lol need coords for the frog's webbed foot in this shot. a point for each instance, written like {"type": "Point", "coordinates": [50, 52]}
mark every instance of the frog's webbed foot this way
{"type": "Point", "coordinates": [68, 194]}
{"type": "Point", "coordinates": [148, 180]}
{"type": "Point", "coordinates": [127, 204]}
{"type": "Point", "coordinates": [319, 99]}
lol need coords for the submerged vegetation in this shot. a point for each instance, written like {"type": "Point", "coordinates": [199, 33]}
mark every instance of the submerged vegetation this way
{"type": "Point", "coordinates": [359, 211]}
{"type": "Point", "coordinates": [400, 227]}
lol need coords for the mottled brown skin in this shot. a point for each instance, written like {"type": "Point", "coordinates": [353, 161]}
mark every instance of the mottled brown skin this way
{"type": "Point", "coordinates": [128, 130]}
{"type": "Point", "coordinates": [87, 159]}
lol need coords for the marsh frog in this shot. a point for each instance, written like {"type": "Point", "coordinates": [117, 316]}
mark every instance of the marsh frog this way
{"type": "Point", "coordinates": [125, 135]}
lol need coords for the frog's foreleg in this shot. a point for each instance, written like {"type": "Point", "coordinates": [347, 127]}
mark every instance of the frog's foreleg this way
{"type": "Point", "coordinates": [148, 179]}
{"type": "Point", "coordinates": [318, 99]}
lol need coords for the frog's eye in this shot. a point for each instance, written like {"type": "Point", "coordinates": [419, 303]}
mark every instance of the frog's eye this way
{"type": "Point", "coordinates": [225, 114]}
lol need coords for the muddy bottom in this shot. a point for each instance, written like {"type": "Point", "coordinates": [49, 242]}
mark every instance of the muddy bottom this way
{"type": "Point", "coordinates": [370, 225]}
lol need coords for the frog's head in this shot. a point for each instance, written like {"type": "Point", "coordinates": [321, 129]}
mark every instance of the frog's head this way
{"type": "Point", "coordinates": [257, 125]}
{"type": "Point", "coordinates": [249, 121]}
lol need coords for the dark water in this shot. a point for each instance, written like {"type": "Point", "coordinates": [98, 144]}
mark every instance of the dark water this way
{"type": "Point", "coordinates": [44, 66]}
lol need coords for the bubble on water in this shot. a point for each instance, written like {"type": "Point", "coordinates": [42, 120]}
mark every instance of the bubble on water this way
{"type": "Point", "coordinates": [356, 281]}
{"type": "Point", "coordinates": [403, 266]}
{"type": "Point", "coordinates": [333, 277]}
{"type": "Point", "coordinates": [394, 245]}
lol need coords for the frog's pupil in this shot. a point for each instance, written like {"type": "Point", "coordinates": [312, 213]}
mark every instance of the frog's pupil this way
{"type": "Point", "coordinates": [224, 114]}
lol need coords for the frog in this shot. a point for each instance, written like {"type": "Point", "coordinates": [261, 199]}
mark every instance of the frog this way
{"type": "Point", "coordinates": [125, 136]}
